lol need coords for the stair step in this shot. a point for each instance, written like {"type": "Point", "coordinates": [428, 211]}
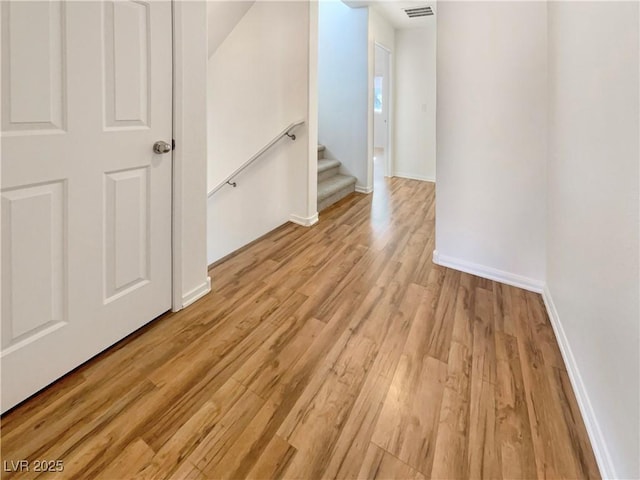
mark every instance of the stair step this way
{"type": "Point", "coordinates": [327, 169]}
{"type": "Point", "coordinates": [333, 189]}
{"type": "Point", "coordinates": [327, 164]}
{"type": "Point", "coordinates": [331, 185]}
{"type": "Point", "coordinates": [321, 149]}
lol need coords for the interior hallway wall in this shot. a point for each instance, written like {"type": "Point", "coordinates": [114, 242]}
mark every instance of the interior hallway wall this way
{"type": "Point", "coordinates": [257, 85]}
{"type": "Point", "coordinates": [593, 274]}
{"type": "Point", "coordinates": [222, 17]}
{"type": "Point", "coordinates": [491, 139]}
{"type": "Point", "coordinates": [343, 100]}
{"type": "Point", "coordinates": [415, 103]}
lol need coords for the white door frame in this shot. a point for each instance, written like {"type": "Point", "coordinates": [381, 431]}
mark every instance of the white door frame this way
{"type": "Point", "coordinates": [389, 98]}
{"type": "Point", "coordinates": [389, 163]}
{"type": "Point", "coordinates": [189, 216]}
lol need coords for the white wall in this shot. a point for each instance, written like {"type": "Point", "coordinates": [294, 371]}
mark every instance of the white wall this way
{"type": "Point", "coordinates": [343, 91]}
{"type": "Point", "coordinates": [223, 16]}
{"type": "Point", "coordinates": [593, 216]}
{"type": "Point", "coordinates": [381, 30]}
{"type": "Point", "coordinates": [190, 157]}
{"type": "Point", "coordinates": [491, 138]}
{"type": "Point", "coordinates": [384, 34]}
{"type": "Point", "coordinates": [415, 103]}
{"type": "Point", "coordinates": [258, 86]}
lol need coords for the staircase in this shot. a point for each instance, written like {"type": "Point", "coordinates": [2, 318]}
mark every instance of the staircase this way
{"type": "Point", "coordinates": [332, 186]}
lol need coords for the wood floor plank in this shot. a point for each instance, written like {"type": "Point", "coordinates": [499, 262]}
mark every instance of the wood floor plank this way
{"type": "Point", "coordinates": [348, 451]}
{"type": "Point", "coordinates": [274, 460]}
{"type": "Point", "coordinates": [261, 372]}
{"type": "Point", "coordinates": [239, 457]}
{"type": "Point", "coordinates": [513, 428]}
{"type": "Point", "coordinates": [484, 349]}
{"type": "Point", "coordinates": [311, 365]}
{"type": "Point", "coordinates": [440, 338]}
{"type": "Point", "coordinates": [186, 471]}
{"type": "Point", "coordinates": [337, 351]}
{"type": "Point", "coordinates": [550, 434]}
{"type": "Point", "coordinates": [379, 464]}
{"type": "Point", "coordinates": [180, 446]}
{"type": "Point", "coordinates": [484, 458]}
{"type": "Point", "coordinates": [209, 366]}
{"type": "Point", "coordinates": [500, 309]}
{"type": "Point", "coordinates": [351, 447]}
{"type": "Point", "coordinates": [53, 424]}
{"type": "Point", "coordinates": [586, 466]}
{"type": "Point", "coordinates": [405, 428]}
{"type": "Point", "coordinates": [217, 443]}
{"type": "Point", "coordinates": [452, 441]}
{"type": "Point", "coordinates": [45, 401]}
{"type": "Point", "coordinates": [463, 317]}
{"type": "Point", "coordinates": [134, 457]}
{"type": "Point", "coordinates": [543, 332]}
{"type": "Point", "coordinates": [483, 454]}
{"type": "Point", "coordinates": [307, 427]}
{"type": "Point", "coordinates": [332, 272]}
{"type": "Point", "coordinates": [88, 458]}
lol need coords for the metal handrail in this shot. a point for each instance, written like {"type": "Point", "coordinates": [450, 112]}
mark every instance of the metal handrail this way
{"type": "Point", "coordinates": [227, 181]}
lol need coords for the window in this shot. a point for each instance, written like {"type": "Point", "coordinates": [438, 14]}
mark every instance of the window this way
{"type": "Point", "coordinates": [377, 94]}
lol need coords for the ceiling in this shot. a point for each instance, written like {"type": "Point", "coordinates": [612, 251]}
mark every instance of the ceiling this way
{"type": "Point", "coordinates": [393, 11]}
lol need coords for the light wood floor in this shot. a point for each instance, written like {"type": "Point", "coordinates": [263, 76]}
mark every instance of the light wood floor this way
{"type": "Point", "coordinates": [338, 351]}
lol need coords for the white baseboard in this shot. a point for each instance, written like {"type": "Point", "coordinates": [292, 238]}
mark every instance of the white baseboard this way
{"type": "Point", "coordinates": [197, 293]}
{"type": "Point", "coordinates": [304, 221]}
{"type": "Point", "coordinates": [360, 189]}
{"type": "Point", "coordinates": [600, 450]}
{"type": "Point", "coordinates": [489, 272]}
{"type": "Point", "coordinates": [411, 176]}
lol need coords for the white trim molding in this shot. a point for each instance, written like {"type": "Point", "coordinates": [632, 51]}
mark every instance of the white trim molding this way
{"type": "Point", "coordinates": [488, 272]}
{"type": "Point", "coordinates": [411, 176]}
{"type": "Point", "coordinates": [360, 189]}
{"type": "Point", "coordinates": [189, 215]}
{"type": "Point", "coordinates": [196, 294]}
{"type": "Point", "coordinates": [600, 450]}
{"type": "Point", "coordinates": [304, 221]}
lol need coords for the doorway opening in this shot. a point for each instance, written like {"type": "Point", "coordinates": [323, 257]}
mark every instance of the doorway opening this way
{"type": "Point", "coordinates": [381, 113]}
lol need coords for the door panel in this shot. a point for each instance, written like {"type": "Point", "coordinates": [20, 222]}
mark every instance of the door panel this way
{"type": "Point", "coordinates": [35, 266]}
{"type": "Point", "coordinates": [127, 59]}
{"type": "Point", "coordinates": [33, 96]}
{"type": "Point", "coordinates": [126, 231]}
{"type": "Point", "coordinates": [86, 204]}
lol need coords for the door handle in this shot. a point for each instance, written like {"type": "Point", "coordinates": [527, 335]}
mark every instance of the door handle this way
{"type": "Point", "coordinates": [161, 147]}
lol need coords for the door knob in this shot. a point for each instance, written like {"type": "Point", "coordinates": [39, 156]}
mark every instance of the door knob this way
{"type": "Point", "coordinates": [161, 147]}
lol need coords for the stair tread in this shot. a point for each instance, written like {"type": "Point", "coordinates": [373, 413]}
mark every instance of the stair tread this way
{"type": "Point", "coordinates": [321, 147]}
{"type": "Point", "coordinates": [325, 164]}
{"type": "Point", "coordinates": [331, 185]}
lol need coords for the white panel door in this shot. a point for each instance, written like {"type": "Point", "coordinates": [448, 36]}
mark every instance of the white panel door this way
{"type": "Point", "coordinates": [86, 203]}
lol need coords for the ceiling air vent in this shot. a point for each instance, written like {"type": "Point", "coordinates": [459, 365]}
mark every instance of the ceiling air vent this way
{"type": "Point", "coordinates": [414, 12]}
